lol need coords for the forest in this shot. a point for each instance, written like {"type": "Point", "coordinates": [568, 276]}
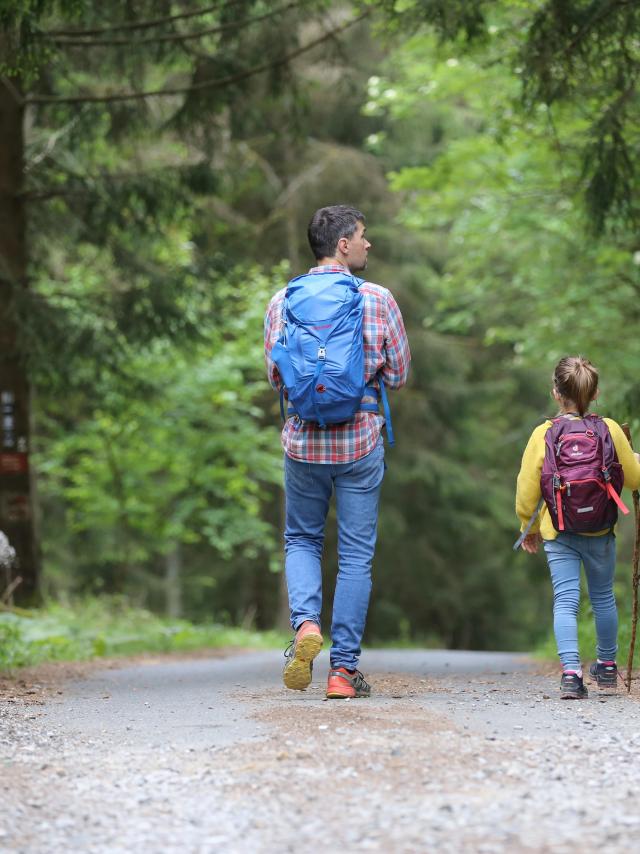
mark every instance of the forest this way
{"type": "Point", "coordinates": [159, 164]}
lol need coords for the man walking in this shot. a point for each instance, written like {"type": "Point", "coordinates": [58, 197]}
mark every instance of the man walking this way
{"type": "Point", "coordinates": [347, 458]}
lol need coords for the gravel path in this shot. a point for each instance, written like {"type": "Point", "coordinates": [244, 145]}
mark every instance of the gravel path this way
{"type": "Point", "coordinates": [455, 752]}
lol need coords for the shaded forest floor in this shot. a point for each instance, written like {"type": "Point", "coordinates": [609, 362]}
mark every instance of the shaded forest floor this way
{"type": "Point", "coordinates": [454, 752]}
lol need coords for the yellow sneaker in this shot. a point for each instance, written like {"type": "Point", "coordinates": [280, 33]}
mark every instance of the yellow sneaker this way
{"type": "Point", "coordinates": [300, 653]}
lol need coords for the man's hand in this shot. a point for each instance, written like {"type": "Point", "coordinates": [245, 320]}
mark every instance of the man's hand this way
{"type": "Point", "coordinates": [531, 542]}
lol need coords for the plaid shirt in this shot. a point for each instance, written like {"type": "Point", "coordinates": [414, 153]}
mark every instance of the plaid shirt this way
{"type": "Point", "coordinates": [386, 349]}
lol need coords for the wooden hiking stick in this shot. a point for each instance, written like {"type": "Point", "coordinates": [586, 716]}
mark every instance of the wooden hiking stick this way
{"type": "Point", "coordinates": [635, 579]}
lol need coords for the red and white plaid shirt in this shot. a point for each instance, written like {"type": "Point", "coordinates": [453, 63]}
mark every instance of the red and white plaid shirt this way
{"type": "Point", "coordinates": [386, 350]}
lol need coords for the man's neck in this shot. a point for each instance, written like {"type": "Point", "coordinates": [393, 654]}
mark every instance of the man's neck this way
{"type": "Point", "coordinates": [331, 262]}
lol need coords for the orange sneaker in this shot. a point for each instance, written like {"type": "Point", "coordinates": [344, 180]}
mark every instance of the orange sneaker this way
{"type": "Point", "coordinates": [341, 684]}
{"type": "Point", "coordinates": [300, 654]}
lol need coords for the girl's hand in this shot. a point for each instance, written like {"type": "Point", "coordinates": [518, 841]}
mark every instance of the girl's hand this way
{"type": "Point", "coordinates": [531, 542]}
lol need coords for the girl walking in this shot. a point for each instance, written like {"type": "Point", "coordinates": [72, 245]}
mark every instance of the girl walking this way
{"type": "Point", "coordinates": [572, 471]}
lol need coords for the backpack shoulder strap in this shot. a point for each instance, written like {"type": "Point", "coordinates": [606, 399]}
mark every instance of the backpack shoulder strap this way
{"type": "Point", "coordinates": [387, 411]}
{"type": "Point", "coordinates": [556, 427]}
{"type": "Point", "coordinates": [551, 439]}
{"type": "Point", "coordinates": [609, 454]}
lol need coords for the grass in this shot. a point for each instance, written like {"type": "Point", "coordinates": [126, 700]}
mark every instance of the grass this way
{"type": "Point", "coordinates": [109, 626]}
{"type": "Point", "coordinates": [97, 627]}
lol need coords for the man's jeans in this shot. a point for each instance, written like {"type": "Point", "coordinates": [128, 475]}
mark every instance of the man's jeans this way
{"type": "Point", "coordinates": [598, 554]}
{"type": "Point", "coordinates": [308, 488]}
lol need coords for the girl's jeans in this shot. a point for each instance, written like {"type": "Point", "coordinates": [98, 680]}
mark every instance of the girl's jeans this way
{"type": "Point", "coordinates": [564, 556]}
{"type": "Point", "coordinates": [308, 488]}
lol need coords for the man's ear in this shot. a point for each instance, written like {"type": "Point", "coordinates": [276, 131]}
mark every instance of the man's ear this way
{"type": "Point", "coordinates": [343, 245]}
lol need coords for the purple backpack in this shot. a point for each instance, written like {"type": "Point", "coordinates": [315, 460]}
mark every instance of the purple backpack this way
{"type": "Point", "coordinates": [581, 477]}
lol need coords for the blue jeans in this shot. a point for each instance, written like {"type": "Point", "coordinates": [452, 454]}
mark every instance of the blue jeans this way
{"type": "Point", "coordinates": [564, 556]}
{"type": "Point", "coordinates": [308, 489]}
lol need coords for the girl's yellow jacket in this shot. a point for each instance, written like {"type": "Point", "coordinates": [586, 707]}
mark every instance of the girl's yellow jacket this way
{"type": "Point", "coordinates": [528, 490]}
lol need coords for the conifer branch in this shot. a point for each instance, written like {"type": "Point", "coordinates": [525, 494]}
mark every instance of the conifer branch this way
{"type": "Point", "coordinates": [177, 37]}
{"type": "Point", "coordinates": [83, 184]}
{"type": "Point", "coordinates": [143, 25]}
{"type": "Point", "coordinates": [216, 83]}
{"type": "Point", "coordinates": [597, 17]}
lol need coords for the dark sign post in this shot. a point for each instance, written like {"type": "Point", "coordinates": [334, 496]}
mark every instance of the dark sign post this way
{"type": "Point", "coordinates": [16, 494]}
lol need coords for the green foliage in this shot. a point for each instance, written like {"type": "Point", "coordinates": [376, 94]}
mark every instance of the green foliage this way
{"type": "Point", "coordinates": [151, 428]}
{"type": "Point", "coordinates": [494, 197]}
{"type": "Point", "coordinates": [504, 195]}
{"type": "Point", "coordinates": [450, 18]}
{"type": "Point", "coordinates": [95, 628]}
{"type": "Point", "coordinates": [136, 325]}
{"type": "Point", "coordinates": [20, 51]}
{"type": "Point", "coordinates": [585, 53]}
{"type": "Point", "coordinates": [185, 462]}
{"type": "Point", "coordinates": [157, 228]}
{"type": "Point", "coordinates": [578, 56]}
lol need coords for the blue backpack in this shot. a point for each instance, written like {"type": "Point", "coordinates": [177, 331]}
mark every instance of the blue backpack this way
{"type": "Point", "coordinates": [320, 353]}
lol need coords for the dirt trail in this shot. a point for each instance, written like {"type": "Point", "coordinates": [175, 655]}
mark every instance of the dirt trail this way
{"type": "Point", "coordinates": [455, 752]}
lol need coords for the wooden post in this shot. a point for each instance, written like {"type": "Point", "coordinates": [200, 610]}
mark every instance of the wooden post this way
{"type": "Point", "coordinates": [16, 484]}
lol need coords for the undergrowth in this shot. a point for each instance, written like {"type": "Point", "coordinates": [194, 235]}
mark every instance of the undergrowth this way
{"type": "Point", "coordinates": [109, 626]}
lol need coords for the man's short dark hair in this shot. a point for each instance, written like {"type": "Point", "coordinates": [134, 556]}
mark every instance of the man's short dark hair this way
{"type": "Point", "coordinates": [328, 225]}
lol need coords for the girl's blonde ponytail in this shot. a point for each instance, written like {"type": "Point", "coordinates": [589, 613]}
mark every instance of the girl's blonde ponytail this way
{"type": "Point", "coordinates": [576, 381]}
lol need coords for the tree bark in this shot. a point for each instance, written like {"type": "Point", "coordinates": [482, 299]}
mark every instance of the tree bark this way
{"type": "Point", "coordinates": [16, 477]}
{"type": "Point", "coordinates": [292, 227]}
{"type": "Point", "coordinates": [173, 582]}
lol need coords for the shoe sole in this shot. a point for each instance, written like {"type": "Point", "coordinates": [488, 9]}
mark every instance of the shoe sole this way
{"type": "Point", "coordinates": [605, 683]}
{"type": "Point", "coordinates": [297, 673]}
{"type": "Point", "coordinates": [346, 692]}
{"type": "Point", "coordinates": [570, 695]}
{"type": "Point", "coordinates": [336, 695]}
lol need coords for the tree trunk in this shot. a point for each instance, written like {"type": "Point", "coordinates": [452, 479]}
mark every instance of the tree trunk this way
{"type": "Point", "coordinates": [173, 582]}
{"type": "Point", "coordinates": [16, 487]}
{"type": "Point", "coordinates": [292, 227]}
